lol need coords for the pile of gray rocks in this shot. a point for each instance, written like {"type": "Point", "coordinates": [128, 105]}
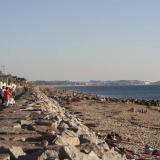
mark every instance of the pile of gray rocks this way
{"type": "Point", "coordinates": [55, 134]}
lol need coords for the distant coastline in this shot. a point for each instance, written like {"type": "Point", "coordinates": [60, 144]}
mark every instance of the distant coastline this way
{"type": "Point", "coordinates": [96, 83]}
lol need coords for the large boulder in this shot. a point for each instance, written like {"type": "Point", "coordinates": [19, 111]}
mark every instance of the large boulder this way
{"type": "Point", "coordinates": [68, 137]}
{"type": "Point", "coordinates": [112, 155]}
{"type": "Point", "coordinates": [4, 157]}
{"type": "Point", "coordinates": [48, 154]}
{"type": "Point", "coordinates": [14, 151]}
{"type": "Point", "coordinates": [88, 138]}
{"type": "Point", "coordinates": [72, 153]}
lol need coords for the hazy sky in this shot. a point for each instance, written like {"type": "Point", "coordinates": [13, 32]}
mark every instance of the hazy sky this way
{"type": "Point", "coordinates": [81, 39]}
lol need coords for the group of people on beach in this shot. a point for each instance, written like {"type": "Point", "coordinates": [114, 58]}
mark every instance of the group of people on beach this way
{"type": "Point", "coordinates": [7, 96]}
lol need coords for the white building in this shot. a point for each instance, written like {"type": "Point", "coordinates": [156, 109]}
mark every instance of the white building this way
{"type": "Point", "coordinates": [147, 83]}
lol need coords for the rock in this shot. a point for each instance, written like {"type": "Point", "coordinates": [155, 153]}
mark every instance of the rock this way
{"type": "Point", "coordinates": [16, 126]}
{"type": "Point", "coordinates": [18, 138]}
{"type": "Point", "coordinates": [68, 152]}
{"type": "Point", "coordinates": [51, 116]}
{"type": "Point", "coordinates": [16, 151]}
{"type": "Point", "coordinates": [60, 141]}
{"type": "Point", "coordinates": [49, 155]}
{"type": "Point", "coordinates": [105, 146]}
{"type": "Point", "coordinates": [82, 129]}
{"type": "Point", "coordinates": [99, 149]}
{"type": "Point", "coordinates": [68, 137]}
{"type": "Point", "coordinates": [43, 122]}
{"type": "Point", "coordinates": [72, 153]}
{"type": "Point", "coordinates": [26, 122]}
{"type": "Point", "coordinates": [88, 138]}
{"type": "Point", "coordinates": [41, 155]}
{"type": "Point", "coordinates": [13, 151]}
{"type": "Point", "coordinates": [85, 148]}
{"type": "Point", "coordinates": [54, 125]}
{"type": "Point", "coordinates": [84, 138]}
{"type": "Point", "coordinates": [72, 126]}
{"type": "Point", "coordinates": [39, 129]}
{"type": "Point", "coordinates": [93, 156]}
{"type": "Point", "coordinates": [36, 115]}
{"type": "Point", "coordinates": [4, 157]}
{"type": "Point", "coordinates": [44, 143]}
{"type": "Point", "coordinates": [112, 155]}
{"type": "Point", "coordinates": [63, 126]}
{"type": "Point", "coordinates": [74, 129]}
{"type": "Point", "coordinates": [50, 137]}
{"type": "Point", "coordinates": [27, 109]}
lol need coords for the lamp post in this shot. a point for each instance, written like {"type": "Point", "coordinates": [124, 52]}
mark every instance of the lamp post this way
{"type": "Point", "coordinates": [4, 69]}
{"type": "Point", "coordinates": [4, 72]}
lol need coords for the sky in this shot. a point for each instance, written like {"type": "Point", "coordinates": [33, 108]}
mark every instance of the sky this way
{"type": "Point", "coordinates": [81, 40]}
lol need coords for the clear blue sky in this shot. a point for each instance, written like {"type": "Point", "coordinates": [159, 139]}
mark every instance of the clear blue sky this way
{"type": "Point", "coordinates": [81, 39]}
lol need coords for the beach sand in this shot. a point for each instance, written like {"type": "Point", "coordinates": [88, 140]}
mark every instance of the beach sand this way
{"type": "Point", "coordinates": [128, 120]}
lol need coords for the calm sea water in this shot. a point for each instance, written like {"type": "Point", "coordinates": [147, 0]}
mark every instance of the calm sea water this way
{"type": "Point", "coordinates": [137, 92]}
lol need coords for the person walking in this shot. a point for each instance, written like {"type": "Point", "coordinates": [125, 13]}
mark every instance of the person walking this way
{"type": "Point", "coordinates": [13, 94]}
{"type": "Point", "coordinates": [7, 96]}
{"type": "Point", "coordinates": [1, 94]}
{"type": "Point", "coordinates": [2, 90]}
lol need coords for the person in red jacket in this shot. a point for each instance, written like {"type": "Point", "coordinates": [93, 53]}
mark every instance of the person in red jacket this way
{"type": "Point", "coordinates": [7, 96]}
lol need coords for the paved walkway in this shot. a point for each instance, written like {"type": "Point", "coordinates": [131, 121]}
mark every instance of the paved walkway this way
{"type": "Point", "coordinates": [14, 126]}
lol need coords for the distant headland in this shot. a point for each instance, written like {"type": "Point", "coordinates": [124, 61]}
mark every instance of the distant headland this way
{"type": "Point", "coordinates": [96, 83]}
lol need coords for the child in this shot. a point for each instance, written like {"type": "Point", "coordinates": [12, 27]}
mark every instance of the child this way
{"type": "Point", "coordinates": [7, 96]}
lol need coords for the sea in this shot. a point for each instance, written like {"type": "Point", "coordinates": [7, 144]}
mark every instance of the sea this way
{"type": "Point", "coordinates": [146, 92]}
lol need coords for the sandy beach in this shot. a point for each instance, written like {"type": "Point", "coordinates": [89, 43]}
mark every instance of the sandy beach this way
{"type": "Point", "coordinates": [138, 125]}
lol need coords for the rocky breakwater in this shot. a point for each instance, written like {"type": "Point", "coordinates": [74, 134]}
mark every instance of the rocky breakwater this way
{"type": "Point", "coordinates": [38, 128]}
